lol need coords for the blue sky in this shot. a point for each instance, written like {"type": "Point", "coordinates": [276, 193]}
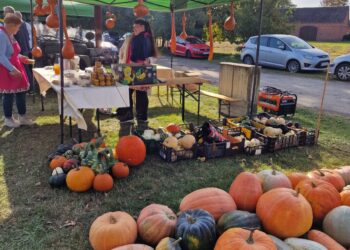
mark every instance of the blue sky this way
{"type": "Point", "coordinates": [307, 3]}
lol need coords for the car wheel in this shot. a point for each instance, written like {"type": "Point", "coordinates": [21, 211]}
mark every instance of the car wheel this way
{"type": "Point", "coordinates": [343, 72]}
{"type": "Point", "coordinates": [293, 66]}
{"type": "Point", "coordinates": [188, 54]}
{"type": "Point", "coordinates": [248, 60]}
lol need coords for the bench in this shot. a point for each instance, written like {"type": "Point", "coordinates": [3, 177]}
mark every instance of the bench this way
{"type": "Point", "coordinates": [223, 100]}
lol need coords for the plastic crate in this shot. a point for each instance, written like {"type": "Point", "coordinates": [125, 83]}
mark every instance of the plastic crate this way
{"type": "Point", "coordinates": [273, 144]}
{"type": "Point", "coordinates": [172, 155]}
{"type": "Point", "coordinates": [235, 148]}
{"type": "Point", "coordinates": [152, 146]}
{"type": "Point", "coordinates": [213, 150]}
{"type": "Point", "coordinates": [307, 137]}
{"type": "Point", "coordinates": [256, 150]}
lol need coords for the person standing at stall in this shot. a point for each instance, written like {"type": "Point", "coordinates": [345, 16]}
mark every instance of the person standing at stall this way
{"type": "Point", "coordinates": [138, 48]}
{"type": "Point", "coordinates": [13, 81]}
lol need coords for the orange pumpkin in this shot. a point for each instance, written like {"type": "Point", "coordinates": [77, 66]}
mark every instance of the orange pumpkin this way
{"type": "Point", "coordinates": [134, 247]}
{"type": "Point", "coordinates": [241, 239]}
{"type": "Point", "coordinates": [111, 230]}
{"type": "Point", "coordinates": [155, 223]}
{"type": "Point", "coordinates": [120, 170]}
{"type": "Point", "coordinates": [57, 161]}
{"type": "Point", "coordinates": [321, 195]}
{"type": "Point", "coordinates": [296, 177]}
{"type": "Point", "coordinates": [173, 128]}
{"type": "Point", "coordinates": [214, 200]}
{"type": "Point", "coordinates": [140, 10]}
{"type": "Point", "coordinates": [324, 240]}
{"type": "Point", "coordinates": [345, 197]}
{"type": "Point", "coordinates": [131, 150]}
{"type": "Point", "coordinates": [103, 182]}
{"type": "Point", "coordinates": [284, 213]}
{"type": "Point", "coordinates": [330, 176]}
{"type": "Point", "coordinates": [80, 179]}
{"type": "Point", "coordinates": [246, 196]}
{"type": "Point", "coordinates": [271, 179]}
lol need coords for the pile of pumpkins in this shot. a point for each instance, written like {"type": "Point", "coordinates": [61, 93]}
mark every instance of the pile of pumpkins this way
{"type": "Point", "coordinates": [93, 165]}
{"type": "Point", "coordinates": [268, 210]}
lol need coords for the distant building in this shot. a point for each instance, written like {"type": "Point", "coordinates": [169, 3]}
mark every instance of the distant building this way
{"type": "Point", "coordinates": [321, 24]}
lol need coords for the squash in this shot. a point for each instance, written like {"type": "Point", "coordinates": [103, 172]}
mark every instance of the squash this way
{"type": "Point", "coordinates": [321, 195]}
{"type": "Point", "coordinates": [272, 132]}
{"type": "Point", "coordinates": [337, 225]}
{"type": "Point", "coordinates": [237, 218]}
{"type": "Point", "coordinates": [214, 200]}
{"type": "Point", "coordinates": [302, 244]}
{"type": "Point", "coordinates": [171, 142]}
{"type": "Point", "coordinates": [345, 197]}
{"type": "Point", "coordinates": [280, 244]}
{"type": "Point", "coordinates": [330, 176]}
{"type": "Point", "coordinates": [70, 164]}
{"type": "Point", "coordinates": [57, 171]}
{"type": "Point", "coordinates": [196, 228]}
{"type": "Point", "coordinates": [345, 173]}
{"type": "Point", "coordinates": [296, 177]}
{"type": "Point", "coordinates": [187, 141]}
{"type": "Point", "coordinates": [155, 223]}
{"type": "Point", "coordinates": [57, 180]}
{"type": "Point", "coordinates": [284, 213]}
{"type": "Point", "coordinates": [271, 179]}
{"type": "Point", "coordinates": [120, 170]}
{"type": "Point", "coordinates": [52, 19]}
{"type": "Point", "coordinates": [134, 247]}
{"type": "Point", "coordinates": [140, 10]}
{"type": "Point", "coordinates": [111, 230]}
{"type": "Point", "coordinates": [80, 179]}
{"type": "Point", "coordinates": [131, 150]}
{"type": "Point", "coordinates": [246, 196]}
{"type": "Point", "coordinates": [230, 22]}
{"type": "Point", "coordinates": [169, 244]}
{"type": "Point", "coordinates": [173, 128]}
{"type": "Point", "coordinates": [324, 240]}
{"type": "Point", "coordinates": [242, 239]}
{"type": "Point", "coordinates": [57, 161]}
{"type": "Point", "coordinates": [103, 182]}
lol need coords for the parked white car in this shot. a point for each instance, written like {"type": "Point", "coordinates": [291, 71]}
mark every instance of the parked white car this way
{"type": "Point", "coordinates": [340, 67]}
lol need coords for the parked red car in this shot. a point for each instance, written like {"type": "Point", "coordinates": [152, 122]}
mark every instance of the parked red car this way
{"type": "Point", "coordinates": [191, 47]}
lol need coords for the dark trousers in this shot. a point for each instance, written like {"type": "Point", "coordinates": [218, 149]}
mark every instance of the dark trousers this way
{"type": "Point", "coordinates": [7, 102]}
{"type": "Point", "coordinates": [29, 72]}
{"type": "Point", "coordinates": [141, 105]}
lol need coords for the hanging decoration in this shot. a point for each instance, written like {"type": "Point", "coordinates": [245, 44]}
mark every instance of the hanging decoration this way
{"type": "Point", "coordinates": [183, 35]}
{"type": "Point", "coordinates": [68, 48]}
{"type": "Point", "coordinates": [36, 51]}
{"type": "Point", "coordinates": [140, 10]}
{"type": "Point", "coordinates": [111, 20]}
{"type": "Point", "coordinates": [52, 19]}
{"type": "Point", "coordinates": [46, 9]}
{"type": "Point", "coordinates": [230, 22]}
{"type": "Point", "coordinates": [211, 50]}
{"type": "Point", "coordinates": [173, 31]}
{"type": "Point", "coordinates": [38, 8]}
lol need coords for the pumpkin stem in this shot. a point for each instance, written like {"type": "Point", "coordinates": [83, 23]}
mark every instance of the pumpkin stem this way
{"type": "Point", "coordinates": [250, 240]}
{"type": "Point", "coordinates": [176, 242]}
{"type": "Point", "coordinates": [297, 193]}
{"type": "Point", "coordinates": [112, 220]}
{"type": "Point", "coordinates": [313, 184]}
{"type": "Point", "coordinates": [191, 220]}
{"type": "Point", "coordinates": [321, 173]}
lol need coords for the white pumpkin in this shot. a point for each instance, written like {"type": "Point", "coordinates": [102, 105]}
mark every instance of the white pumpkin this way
{"type": "Point", "coordinates": [337, 225]}
{"type": "Point", "coordinates": [302, 244]}
{"type": "Point", "coordinates": [187, 141]}
{"type": "Point", "coordinates": [57, 171]}
{"type": "Point", "coordinates": [280, 244]}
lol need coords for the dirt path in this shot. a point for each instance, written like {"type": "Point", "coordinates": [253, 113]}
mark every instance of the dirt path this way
{"type": "Point", "coordinates": [308, 89]}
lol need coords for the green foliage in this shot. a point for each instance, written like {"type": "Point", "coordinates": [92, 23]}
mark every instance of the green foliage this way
{"type": "Point", "coordinates": [328, 3]}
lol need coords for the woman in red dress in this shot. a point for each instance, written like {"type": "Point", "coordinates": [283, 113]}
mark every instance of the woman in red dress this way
{"type": "Point", "coordinates": [13, 79]}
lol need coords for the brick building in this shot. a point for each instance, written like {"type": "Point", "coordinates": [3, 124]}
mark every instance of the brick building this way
{"type": "Point", "coordinates": [321, 24]}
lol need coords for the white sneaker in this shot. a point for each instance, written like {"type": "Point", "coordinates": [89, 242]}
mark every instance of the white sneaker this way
{"type": "Point", "coordinates": [12, 122]}
{"type": "Point", "coordinates": [24, 120]}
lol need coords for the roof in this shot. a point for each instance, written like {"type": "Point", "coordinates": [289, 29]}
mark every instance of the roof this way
{"type": "Point", "coordinates": [320, 15]}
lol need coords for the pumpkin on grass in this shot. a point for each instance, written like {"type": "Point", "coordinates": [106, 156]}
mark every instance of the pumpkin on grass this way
{"type": "Point", "coordinates": [321, 195]}
{"type": "Point", "coordinates": [214, 200]}
{"type": "Point", "coordinates": [237, 218]}
{"type": "Point", "coordinates": [196, 228]}
{"type": "Point", "coordinates": [120, 170]}
{"type": "Point", "coordinates": [337, 225]}
{"type": "Point", "coordinates": [284, 213]}
{"type": "Point", "coordinates": [111, 230]}
{"type": "Point", "coordinates": [296, 177]}
{"type": "Point", "coordinates": [131, 150]}
{"type": "Point", "coordinates": [330, 176]}
{"type": "Point", "coordinates": [242, 239]}
{"type": "Point", "coordinates": [80, 179]}
{"type": "Point", "coordinates": [246, 196]}
{"type": "Point", "coordinates": [57, 161]}
{"type": "Point", "coordinates": [103, 181]}
{"type": "Point", "coordinates": [155, 223]}
{"type": "Point", "coordinates": [345, 197]}
{"type": "Point", "coordinates": [324, 240]}
{"type": "Point", "coordinates": [270, 179]}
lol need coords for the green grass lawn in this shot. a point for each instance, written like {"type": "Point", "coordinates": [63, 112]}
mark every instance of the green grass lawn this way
{"type": "Point", "coordinates": [35, 216]}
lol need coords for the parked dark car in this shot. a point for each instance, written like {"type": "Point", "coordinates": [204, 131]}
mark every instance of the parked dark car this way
{"type": "Point", "coordinates": [191, 47]}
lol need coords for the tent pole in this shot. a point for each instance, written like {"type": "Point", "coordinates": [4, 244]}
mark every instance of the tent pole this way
{"type": "Point", "coordinates": [60, 17]}
{"type": "Point", "coordinates": [256, 69]}
{"type": "Point", "coordinates": [31, 21]}
{"type": "Point", "coordinates": [98, 25]}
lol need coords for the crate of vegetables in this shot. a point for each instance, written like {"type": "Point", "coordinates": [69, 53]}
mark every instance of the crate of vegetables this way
{"type": "Point", "coordinates": [152, 139]}
{"type": "Point", "coordinates": [254, 146]}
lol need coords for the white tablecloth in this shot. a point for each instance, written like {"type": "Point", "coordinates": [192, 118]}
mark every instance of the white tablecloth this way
{"type": "Point", "coordinates": [76, 97]}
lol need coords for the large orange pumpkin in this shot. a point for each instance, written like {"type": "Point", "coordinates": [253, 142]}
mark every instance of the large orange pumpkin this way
{"type": "Point", "coordinates": [330, 176]}
{"type": "Point", "coordinates": [246, 190]}
{"type": "Point", "coordinates": [80, 179]}
{"type": "Point", "coordinates": [321, 195]}
{"type": "Point", "coordinates": [241, 239]}
{"type": "Point", "coordinates": [296, 177]}
{"type": "Point", "coordinates": [271, 179]}
{"type": "Point", "coordinates": [131, 150]}
{"type": "Point", "coordinates": [155, 223]}
{"type": "Point", "coordinates": [345, 197]}
{"type": "Point", "coordinates": [111, 230]}
{"type": "Point", "coordinates": [103, 182]}
{"type": "Point", "coordinates": [324, 240]}
{"type": "Point", "coordinates": [284, 213]}
{"type": "Point", "coordinates": [214, 200]}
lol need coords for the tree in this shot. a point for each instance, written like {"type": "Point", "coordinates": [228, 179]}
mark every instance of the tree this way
{"type": "Point", "coordinates": [332, 3]}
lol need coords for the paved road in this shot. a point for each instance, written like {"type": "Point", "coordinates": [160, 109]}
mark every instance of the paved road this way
{"type": "Point", "coordinates": [308, 88]}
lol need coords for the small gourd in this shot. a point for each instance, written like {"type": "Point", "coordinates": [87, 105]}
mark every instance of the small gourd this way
{"type": "Point", "coordinates": [169, 244]}
{"type": "Point", "coordinates": [57, 171]}
{"type": "Point", "coordinates": [171, 142]}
